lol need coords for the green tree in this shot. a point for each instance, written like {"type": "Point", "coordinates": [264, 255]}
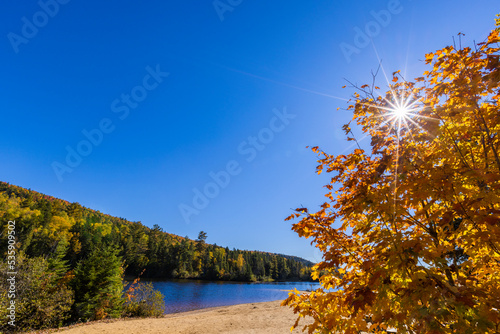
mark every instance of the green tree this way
{"type": "Point", "coordinates": [56, 261]}
{"type": "Point", "coordinates": [200, 242]}
{"type": "Point", "coordinates": [98, 285]}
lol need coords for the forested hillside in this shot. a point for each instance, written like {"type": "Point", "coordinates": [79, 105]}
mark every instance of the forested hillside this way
{"type": "Point", "coordinates": [53, 228]}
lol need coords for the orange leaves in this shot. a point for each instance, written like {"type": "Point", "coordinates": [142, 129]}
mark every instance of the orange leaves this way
{"type": "Point", "coordinates": [360, 299]}
{"type": "Point", "coordinates": [493, 220]}
{"type": "Point", "coordinates": [129, 293]}
{"type": "Point", "coordinates": [419, 240]}
{"type": "Point", "coordinates": [394, 77]}
{"type": "Point", "coordinates": [346, 128]}
{"type": "Point", "coordinates": [494, 37]}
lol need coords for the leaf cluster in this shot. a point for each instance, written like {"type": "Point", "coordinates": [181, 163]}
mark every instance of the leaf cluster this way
{"type": "Point", "coordinates": [410, 230]}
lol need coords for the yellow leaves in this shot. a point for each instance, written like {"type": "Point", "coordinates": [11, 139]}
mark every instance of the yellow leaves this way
{"type": "Point", "coordinates": [11, 209]}
{"type": "Point", "coordinates": [59, 227]}
{"type": "Point", "coordinates": [240, 262]}
{"type": "Point", "coordinates": [494, 37]}
{"type": "Point", "coordinates": [60, 224]}
{"type": "Point", "coordinates": [419, 237]}
{"type": "Point", "coordinates": [428, 58]}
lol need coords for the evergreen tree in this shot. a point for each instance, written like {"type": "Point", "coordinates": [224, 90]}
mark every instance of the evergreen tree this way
{"type": "Point", "coordinates": [200, 242]}
{"type": "Point", "coordinates": [57, 264]}
{"type": "Point", "coordinates": [98, 285]}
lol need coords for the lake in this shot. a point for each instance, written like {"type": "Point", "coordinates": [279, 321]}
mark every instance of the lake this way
{"type": "Point", "coordinates": [188, 295]}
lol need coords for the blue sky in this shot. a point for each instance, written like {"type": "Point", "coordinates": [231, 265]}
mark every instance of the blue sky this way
{"type": "Point", "coordinates": [157, 99]}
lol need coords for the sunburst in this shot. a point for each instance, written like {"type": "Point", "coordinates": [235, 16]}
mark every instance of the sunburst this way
{"type": "Point", "coordinates": [400, 111]}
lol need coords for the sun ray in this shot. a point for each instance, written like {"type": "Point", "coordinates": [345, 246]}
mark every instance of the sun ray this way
{"type": "Point", "coordinates": [281, 83]}
{"type": "Point", "coordinates": [398, 111]}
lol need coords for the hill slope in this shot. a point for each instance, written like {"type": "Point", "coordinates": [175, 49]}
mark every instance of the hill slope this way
{"type": "Point", "coordinates": [44, 223]}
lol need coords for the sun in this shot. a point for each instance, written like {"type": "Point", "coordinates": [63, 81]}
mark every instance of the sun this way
{"type": "Point", "coordinates": [399, 110]}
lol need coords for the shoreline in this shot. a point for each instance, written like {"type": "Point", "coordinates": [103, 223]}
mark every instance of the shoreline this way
{"type": "Point", "coordinates": [251, 318]}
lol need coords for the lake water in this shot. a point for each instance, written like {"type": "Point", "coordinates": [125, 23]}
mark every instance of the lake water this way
{"type": "Point", "coordinates": [188, 295]}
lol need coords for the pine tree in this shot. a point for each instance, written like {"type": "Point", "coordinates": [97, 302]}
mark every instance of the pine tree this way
{"type": "Point", "coordinates": [98, 285]}
{"type": "Point", "coordinates": [57, 264]}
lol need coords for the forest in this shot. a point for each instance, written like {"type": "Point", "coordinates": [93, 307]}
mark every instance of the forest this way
{"type": "Point", "coordinates": [47, 226]}
{"type": "Point", "coordinates": [73, 259]}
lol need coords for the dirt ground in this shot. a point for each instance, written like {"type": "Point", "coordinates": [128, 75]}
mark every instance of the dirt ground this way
{"type": "Point", "coordinates": [255, 318]}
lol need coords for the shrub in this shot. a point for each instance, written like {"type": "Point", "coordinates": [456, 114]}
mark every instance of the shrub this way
{"type": "Point", "coordinates": [142, 300]}
{"type": "Point", "coordinates": [43, 300]}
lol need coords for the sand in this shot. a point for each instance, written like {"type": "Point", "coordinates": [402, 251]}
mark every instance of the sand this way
{"type": "Point", "coordinates": [255, 318]}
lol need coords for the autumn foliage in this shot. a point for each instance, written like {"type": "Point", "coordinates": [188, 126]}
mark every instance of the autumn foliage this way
{"type": "Point", "coordinates": [410, 231]}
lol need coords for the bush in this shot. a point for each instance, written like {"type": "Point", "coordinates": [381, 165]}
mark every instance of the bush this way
{"type": "Point", "coordinates": [43, 300]}
{"type": "Point", "coordinates": [142, 300]}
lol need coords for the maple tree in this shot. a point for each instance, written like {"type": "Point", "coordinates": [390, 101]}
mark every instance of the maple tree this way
{"type": "Point", "coordinates": [410, 230]}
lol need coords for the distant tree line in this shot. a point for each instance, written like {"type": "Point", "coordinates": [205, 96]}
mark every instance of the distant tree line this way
{"type": "Point", "coordinates": [74, 231]}
{"type": "Point", "coordinates": [72, 260]}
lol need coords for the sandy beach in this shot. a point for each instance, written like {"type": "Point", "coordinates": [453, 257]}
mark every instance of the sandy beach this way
{"type": "Point", "coordinates": [255, 318]}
